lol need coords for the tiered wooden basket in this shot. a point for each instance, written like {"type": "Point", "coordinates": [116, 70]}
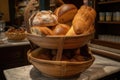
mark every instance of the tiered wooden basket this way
{"type": "Point", "coordinates": [58, 68]}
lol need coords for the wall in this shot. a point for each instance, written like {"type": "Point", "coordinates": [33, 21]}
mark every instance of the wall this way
{"type": "Point", "coordinates": [4, 7]}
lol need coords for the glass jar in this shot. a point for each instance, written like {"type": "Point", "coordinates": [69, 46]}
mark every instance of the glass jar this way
{"type": "Point", "coordinates": [2, 30]}
{"type": "Point", "coordinates": [108, 16]}
{"type": "Point", "coordinates": [101, 16]}
{"type": "Point", "coordinates": [118, 16]}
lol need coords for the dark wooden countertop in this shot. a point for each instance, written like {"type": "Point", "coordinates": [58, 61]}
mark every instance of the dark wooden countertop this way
{"type": "Point", "coordinates": [9, 43]}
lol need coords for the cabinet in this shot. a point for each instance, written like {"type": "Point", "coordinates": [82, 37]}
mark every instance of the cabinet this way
{"type": "Point", "coordinates": [13, 55]}
{"type": "Point", "coordinates": [107, 23]}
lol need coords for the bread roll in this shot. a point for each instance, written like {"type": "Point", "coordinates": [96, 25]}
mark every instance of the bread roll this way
{"type": "Point", "coordinates": [66, 12]}
{"type": "Point", "coordinates": [42, 31]}
{"type": "Point", "coordinates": [83, 20]}
{"type": "Point", "coordinates": [43, 18]}
{"type": "Point", "coordinates": [79, 58]}
{"type": "Point", "coordinates": [44, 56]}
{"type": "Point", "coordinates": [79, 27]}
{"type": "Point", "coordinates": [71, 32]}
{"type": "Point", "coordinates": [90, 30]}
{"type": "Point", "coordinates": [77, 51]}
{"type": "Point", "coordinates": [64, 58]}
{"type": "Point", "coordinates": [61, 29]}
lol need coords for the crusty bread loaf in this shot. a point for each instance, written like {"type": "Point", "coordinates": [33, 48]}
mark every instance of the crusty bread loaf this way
{"type": "Point", "coordinates": [44, 54]}
{"type": "Point", "coordinates": [87, 12]}
{"type": "Point", "coordinates": [42, 31]}
{"type": "Point", "coordinates": [65, 12]}
{"type": "Point", "coordinates": [61, 29]}
{"type": "Point", "coordinates": [71, 32]}
{"type": "Point", "coordinates": [83, 20]}
{"type": "Point", "coordinates": [90, 30]}
{"type": "Point", "coordinates": [79, 58]}
{"type": "Point", "coordinates": [43, 18]}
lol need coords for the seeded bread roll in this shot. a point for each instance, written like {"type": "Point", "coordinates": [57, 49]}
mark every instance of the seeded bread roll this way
{"type": "Point", "coordinates": [66, 12]}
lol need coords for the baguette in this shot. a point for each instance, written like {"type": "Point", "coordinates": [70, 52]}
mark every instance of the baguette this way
{"type": "Point", "coordinates": [83, 20]}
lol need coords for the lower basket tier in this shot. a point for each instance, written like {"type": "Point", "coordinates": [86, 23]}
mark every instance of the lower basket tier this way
{"type": "Point", "coordinates": [59, 69]}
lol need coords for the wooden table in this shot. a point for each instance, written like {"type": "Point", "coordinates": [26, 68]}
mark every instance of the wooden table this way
{"type": "Point", "coordinates": [101, 67]}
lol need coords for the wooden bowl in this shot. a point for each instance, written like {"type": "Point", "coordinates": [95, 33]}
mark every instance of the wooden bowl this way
{"type": "Point", "coordinates": [58, 69]}
{"type": "Point", "coordinates": [54, 42]}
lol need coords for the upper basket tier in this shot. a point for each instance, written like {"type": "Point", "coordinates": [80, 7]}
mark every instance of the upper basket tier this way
{"type": "Point", "coordinates": [54, 42]}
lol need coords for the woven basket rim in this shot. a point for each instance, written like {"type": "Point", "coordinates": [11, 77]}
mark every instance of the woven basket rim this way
{"type": "Point", "coordinates": [61, 36]}
{"type": "Point", "coordinates": [59, 62]}
{"type": "Point", "coordinates": [15, 33]}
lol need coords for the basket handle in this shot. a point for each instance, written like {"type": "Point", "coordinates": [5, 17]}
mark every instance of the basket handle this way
{"type": "Point", "coordinates": [60, 49]}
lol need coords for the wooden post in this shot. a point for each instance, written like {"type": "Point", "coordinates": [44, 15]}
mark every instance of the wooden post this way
{"type": "Point", "coordinates": [44, 4]}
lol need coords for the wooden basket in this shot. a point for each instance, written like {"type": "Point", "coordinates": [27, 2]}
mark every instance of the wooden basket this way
{"type": "Point", "coordinates": [54, 42]}
{"type": "Point", "coordinates": [58, 69]}
{"type": "Point", "coordinates": [15, 36]}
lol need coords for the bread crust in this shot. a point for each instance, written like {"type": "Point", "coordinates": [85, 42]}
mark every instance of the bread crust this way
{"type": "Point", "coordinates": [66, 12]}
{"type": "Point", "coordinates": [83, 20]}
{"type": "Point", "coordinates": [44, 18]}
{"type": "Point", "coordinates": [42, 31]}
{"type": "Point", "coordinates": [61, 29]}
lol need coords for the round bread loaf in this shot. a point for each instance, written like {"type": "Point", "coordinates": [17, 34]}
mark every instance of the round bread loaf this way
{"type": "Point", "coordinates": [61, 29]}
{"type": "Point", "coordinates": [66, 12]}
{"type": "Point", "coordinates": [43, 18]}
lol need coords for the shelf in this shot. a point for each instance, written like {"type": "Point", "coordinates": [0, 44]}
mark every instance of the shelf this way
{"type": "Point", "coordinates": [107, 27]}
{"type": "Point", "coordinates": [109, 2]}
{"type": "Point", "coordinates": [106, 43]}
{"type": "Point", "coordinates": [111, 22]}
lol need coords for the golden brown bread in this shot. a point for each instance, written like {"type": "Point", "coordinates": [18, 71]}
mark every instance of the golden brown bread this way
{"type": "Point", "coordinates": [90, 30]}
{"type": "Point", "coordinates": [61, 29]}
{"type": "Point", "coordinates": [83, 20]}
{"type": "Point", "coordinates": [79, 58]}
{"type": "Point", "coordinates": [66, 12]}
{"type": "Point", "coordinates": [87, 12]}
{"type": "Point", "coordinates": [64, 58]}
{"type": "Point", "coordinates": [44, 54]}
{"type": "Point", "coordinates": [43, 18]}
{"type": "Point", "coordinates": [71, 32]}
{"type": "Point", "coordinates": [42, 31]}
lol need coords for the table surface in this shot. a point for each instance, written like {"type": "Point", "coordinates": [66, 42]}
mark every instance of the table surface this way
{"type": "Point", "coordinates": [10, 43]}
{"type": "Point", "coordinates": [101, 67]}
